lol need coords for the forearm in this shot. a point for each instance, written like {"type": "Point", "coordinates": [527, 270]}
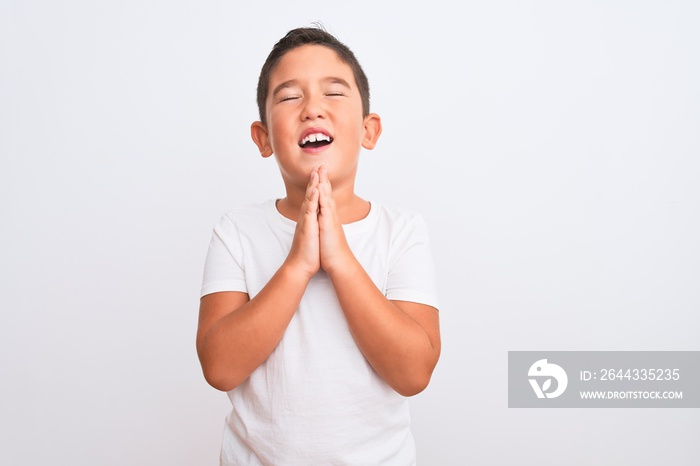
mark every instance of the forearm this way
{"type": "Point", "coordinates": [236, 344]}
{"type": "Point", "coordinates": [396, 346]}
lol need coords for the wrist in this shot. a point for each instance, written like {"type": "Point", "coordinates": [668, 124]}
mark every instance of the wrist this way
{"type": "Point", "coordinates": [340, 263]}
{"type": "Point", "coordinates": [297, 270]}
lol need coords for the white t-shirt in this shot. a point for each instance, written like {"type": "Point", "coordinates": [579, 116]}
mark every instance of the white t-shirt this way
{"type": "Point", "coordinates": [316, 400]}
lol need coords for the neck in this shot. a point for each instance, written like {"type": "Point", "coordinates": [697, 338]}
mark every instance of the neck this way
{"type": "Point", "coordinates": [350, 206]}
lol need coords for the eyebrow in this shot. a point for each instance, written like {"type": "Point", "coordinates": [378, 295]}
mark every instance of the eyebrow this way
{"type": "Point", "coordinates": [284, 85]}
{"type": "Point", "coordinates": [293, 82]}
{"type": "Point", "coordinates": [340, 81]}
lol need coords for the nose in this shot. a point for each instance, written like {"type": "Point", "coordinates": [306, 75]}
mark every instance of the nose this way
{"type": "Point", "coordinates": [313, 108]}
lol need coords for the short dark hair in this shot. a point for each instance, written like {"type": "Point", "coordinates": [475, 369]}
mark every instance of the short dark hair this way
{"type": "Point", "coordinates": [310, 36]}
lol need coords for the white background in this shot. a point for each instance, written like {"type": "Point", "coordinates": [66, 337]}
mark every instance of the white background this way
{"type": "Point", "coordinates": [553, 148]}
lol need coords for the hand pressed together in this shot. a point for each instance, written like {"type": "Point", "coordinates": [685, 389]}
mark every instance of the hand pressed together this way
{"type": "Point", "coordinates": [319, 239]}
{"type": "Point", "coordinates": [304, 252]}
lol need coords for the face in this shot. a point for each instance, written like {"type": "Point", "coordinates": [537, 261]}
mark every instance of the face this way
{"type": "Point", "coordinates": [314, 117]}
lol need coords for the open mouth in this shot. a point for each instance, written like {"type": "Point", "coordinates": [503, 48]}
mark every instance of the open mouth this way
{"type": "Point", "coordinates": [315, 140]}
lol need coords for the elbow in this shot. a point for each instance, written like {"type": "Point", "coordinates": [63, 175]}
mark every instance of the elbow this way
{"type": "Point", "coordinates": [217, 374]}
{"type": "Point", "coordinates": [218, 380]}
{"type": "Point", "coordinates": [413, 383]}
{"type": "Point", "coordinates": [411, 390]}
{"type": "Point", "coordinates": [416, 378]}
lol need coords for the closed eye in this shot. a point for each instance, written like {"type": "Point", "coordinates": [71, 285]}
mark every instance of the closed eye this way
{"type": "Point", "coordinates": [290, 97]}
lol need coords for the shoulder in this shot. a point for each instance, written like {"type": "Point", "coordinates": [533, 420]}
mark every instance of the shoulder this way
{"type": "Point", "coordinates": [398, 218]}
{"type": "Point", "coordinates": [245, 216]}
{"type": "Point", "coordinates": [247, 211]}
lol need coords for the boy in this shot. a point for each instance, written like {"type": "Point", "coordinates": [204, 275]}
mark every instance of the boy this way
{"type": "Point", "coordinates": [318, 313]}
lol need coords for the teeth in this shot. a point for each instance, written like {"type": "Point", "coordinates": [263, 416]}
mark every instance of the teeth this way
{"type": "Point", "coordinates": [315, 137]}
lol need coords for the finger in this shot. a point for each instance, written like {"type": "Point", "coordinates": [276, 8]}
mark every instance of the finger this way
{"type": "Point", "coordinates": [313, 183]}
{"type": "Point", "coordinates": [312, 200]}
{"type": "Point", "coordinates": [324, 186]}
{"type": "Point", "coordinates": [326, 209]}
{"type": "Point", "coordinates": [313, 179]}
{"type": "Point", "coordinates": [323, 177]}
{"type": "Point", "coordinates": [324, 195]}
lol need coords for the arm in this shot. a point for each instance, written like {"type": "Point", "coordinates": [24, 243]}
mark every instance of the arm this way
{"type": "Point", "coordinates": [401, 340]}
{"type": "Point", "coordinates": [236, 334]}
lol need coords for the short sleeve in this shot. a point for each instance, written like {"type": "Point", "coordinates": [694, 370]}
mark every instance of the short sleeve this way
{"type": "Point", "coordinates": [223, 268]}
{"type": "Point", "coordinates": [411, 269]}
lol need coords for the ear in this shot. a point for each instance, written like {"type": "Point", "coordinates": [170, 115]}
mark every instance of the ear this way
{"type": "Point", "coordinates": [373, 128]}
{"type": "Point", "coordinates": [258, 131]}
